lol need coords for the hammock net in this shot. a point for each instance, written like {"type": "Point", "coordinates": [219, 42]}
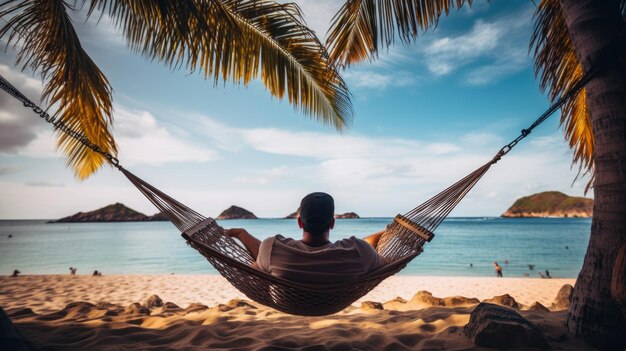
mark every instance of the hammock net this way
{"type": "Point", "coordinates": [402, 241]}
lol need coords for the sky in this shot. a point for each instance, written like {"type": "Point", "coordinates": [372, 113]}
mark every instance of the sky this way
{"type": "Point", "coordinates": [426, 115]}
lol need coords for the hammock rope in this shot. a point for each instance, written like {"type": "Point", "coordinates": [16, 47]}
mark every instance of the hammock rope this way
{"type": "Point", "coordinates": [402, 241]}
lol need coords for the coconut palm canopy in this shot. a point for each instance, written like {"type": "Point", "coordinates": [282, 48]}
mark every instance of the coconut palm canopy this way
{"type": "Point", "coordinates": [362, 28]}
{"type": "Point", "coordinates": [223, 40]}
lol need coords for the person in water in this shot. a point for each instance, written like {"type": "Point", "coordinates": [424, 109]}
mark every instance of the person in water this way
{"type": "Point", "coordinates": [498, 269]}
{"type": "Point", "coordinates": [313, 258]}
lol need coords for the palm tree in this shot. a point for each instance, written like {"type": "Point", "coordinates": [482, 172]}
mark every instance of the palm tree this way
{"type": "Point", "coordinates": [225, 40]}
{"type": "Point", "coordinates": [567, 38]}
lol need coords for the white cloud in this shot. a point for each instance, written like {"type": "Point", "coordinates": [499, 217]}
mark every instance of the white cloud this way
{"type": "Point", "coordinates": [18, 125]}
{"type": "Point", "coordinates": [42, 146]}
{"type": "Point", "coordinates": [482, 38]}
{"type": "Point", "coordinates": [141, 140]}
{"type": "Point", "coordinates": [484, 54]}
{"type": "Point", "coordinates": [491, 50]}
{"type": "Point", "coordinates": [265, 177]}
{"type": "Point", "coordinates": [98, 30]}
{"type": "Point", "coordinates": [361, 162]}
{"type": "Point", "coordinates": [318, 14]}
{"type": "Point", "coordinates": [322, 145]}
{"type": "Point", "coordinates": [511, 60]}
{"type": "Point", "coordinates": [219, 135]}
{"type": "Point", "coordinates": [480, 139]}
{"type": "Point", "coordinates": [547, 142]}
{"type": "Point", "coordinates": [44, 184]}
{"type": "Point", "coordinates": [379, 80]}
{"type": "Point", "coordinates": [366, 173]}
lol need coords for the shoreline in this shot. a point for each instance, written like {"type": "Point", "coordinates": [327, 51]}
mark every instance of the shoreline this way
{"type": "Point", "coordinates": [52, 292]}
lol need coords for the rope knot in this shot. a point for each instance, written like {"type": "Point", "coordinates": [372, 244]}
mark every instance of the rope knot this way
{"type": "Point", "coordinates": [497, 157]}
{"type": "Point", "coordinates": [525, 132]}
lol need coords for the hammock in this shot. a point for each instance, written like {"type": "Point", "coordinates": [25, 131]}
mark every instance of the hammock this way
{"type": "Point", "coordinates": [402, 241]}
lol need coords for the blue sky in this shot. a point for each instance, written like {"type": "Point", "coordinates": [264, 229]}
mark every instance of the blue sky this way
{"type": "Point", "coordinates": [426, 115]}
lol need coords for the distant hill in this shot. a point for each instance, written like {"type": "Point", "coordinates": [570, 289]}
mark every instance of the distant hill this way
{"type": "Point", "coordinates": [293, 215]}
{"type": "Point", "coordinates": [235, 212]}
{"type": "Point", "coordinates": [112, 213]}
{"type": "Point", "coordinates": [550, 204]}
{"type": "Point", "coordinates": [158, 217]}
{"type": "Point", "coordinates": [339, 216]}
{"type": "Point", "coordinates": [347, 215]}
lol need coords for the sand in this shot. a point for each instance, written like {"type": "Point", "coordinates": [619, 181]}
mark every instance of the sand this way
{"type": "Point", "coordinates": [205, 312]}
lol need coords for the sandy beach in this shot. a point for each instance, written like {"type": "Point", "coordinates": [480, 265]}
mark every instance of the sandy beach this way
{"type": "Point", "coordinates": [202, 311]}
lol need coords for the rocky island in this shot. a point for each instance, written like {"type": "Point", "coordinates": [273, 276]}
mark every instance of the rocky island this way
{"type": "Point", "coordinates": [338, 216]}
{"type": "Point", "coordinates": [550, 204]}
{"type": "Point", "coordinates": [236, 212]}
{"type": "Point", "coordinates": [111, 213]}
{"type": "Point", "coordinates": [158, 217]}
{"type": "Point", "coordinates": [293, 215]}
{"type": "Point", "coordinates": [347, 215]}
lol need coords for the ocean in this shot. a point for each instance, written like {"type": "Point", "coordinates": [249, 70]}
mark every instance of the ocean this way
{"type": "Point", "coordinates": [461, 247]}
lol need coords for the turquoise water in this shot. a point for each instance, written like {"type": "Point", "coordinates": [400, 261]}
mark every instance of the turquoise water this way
{"type": "Point", "coordinates": [555, 244]}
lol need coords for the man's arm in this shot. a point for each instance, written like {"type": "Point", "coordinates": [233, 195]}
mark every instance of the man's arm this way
{"type": "Point", "coordinates": [251, 243]}
{"type": "Point", "coordinates": [374, 238]}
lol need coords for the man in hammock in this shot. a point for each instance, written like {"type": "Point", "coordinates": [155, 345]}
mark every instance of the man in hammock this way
{"type": "Point", "coordinates": [314, 258]}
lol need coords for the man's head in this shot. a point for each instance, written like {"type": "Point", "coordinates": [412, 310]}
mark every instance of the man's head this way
{"type": "Point", "coordinates": [317, 212]}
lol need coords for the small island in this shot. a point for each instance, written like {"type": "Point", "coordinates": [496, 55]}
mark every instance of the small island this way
{"type": "Point", "coordinates": [550, 204]}
{"type": "Point", "coordinates": [236, 212]}
{"type": "Point", "coordinates": [292, 215]}
{"type": "Point", "coordinates": [111, 213]}
{"type": "Point", "coordinates": [347, 215]}
{"type": "Point", "coordinates": [158, 217]}
{"type": "Point", "coordinates": [338, 216]}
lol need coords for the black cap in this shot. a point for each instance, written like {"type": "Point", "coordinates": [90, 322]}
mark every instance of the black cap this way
{"type": "Point", "coordinates": [316, 212]}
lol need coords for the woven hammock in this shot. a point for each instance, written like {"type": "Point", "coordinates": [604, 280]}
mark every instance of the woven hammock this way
{"type": "Point", "coordinates": [402, 240]}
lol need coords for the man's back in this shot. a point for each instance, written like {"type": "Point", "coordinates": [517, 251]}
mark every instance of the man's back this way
{"type": "Point", "coordinates": [331, 263]}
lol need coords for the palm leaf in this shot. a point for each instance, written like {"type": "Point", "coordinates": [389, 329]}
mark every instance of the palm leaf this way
{"type": "Point", "coordinates": [238, 40]}
{"type": "Point", "coordinates": [361, 27]}
{"type": "Point", "coordinates": [72, 79]}
{"type": "Point", "coordinates": [558, 67]}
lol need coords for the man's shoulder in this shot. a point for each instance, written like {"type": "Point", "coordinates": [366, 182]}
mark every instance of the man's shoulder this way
{"type": "Point", "coordinates": [281, 238]}
{"type": "Point", "coordinates": [355, 243]}
{"type": "Point", "coordinates": [273, 240]}
{"type": "Point", "coordinates": [352, 241]}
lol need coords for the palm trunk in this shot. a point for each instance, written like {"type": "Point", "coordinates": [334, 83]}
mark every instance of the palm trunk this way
{"type": "Point", "coordinates": [595, 315]}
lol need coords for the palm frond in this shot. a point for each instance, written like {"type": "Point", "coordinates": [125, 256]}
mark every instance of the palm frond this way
{"type": "Point", "coordinates": [361, 27]}
{"type": "Point", "coordinates": [73, 82]}
{"type": "Point", "coordinates": [558, 67]}
{"type": "Point", "coordinates": [238, 40]}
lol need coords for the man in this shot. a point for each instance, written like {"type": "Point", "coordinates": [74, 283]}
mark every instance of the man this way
{"type": "Point", "coordinates": [498, 269]}
{"type": "Point", "coordinates": [314, 258]}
